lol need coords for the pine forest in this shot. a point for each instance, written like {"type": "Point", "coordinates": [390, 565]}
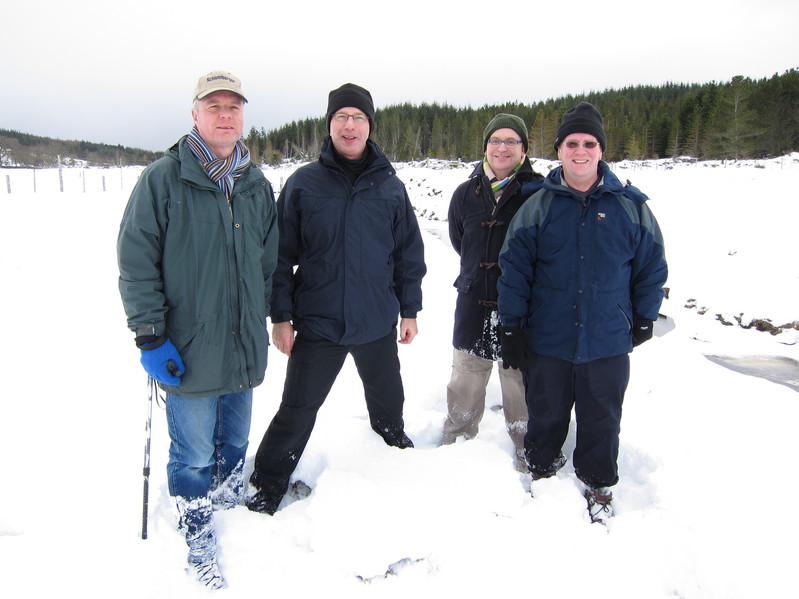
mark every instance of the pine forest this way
{"type": "Point", "coordinates": [739, 119]}
{"type": "Point", "coordinates": [743, 118]}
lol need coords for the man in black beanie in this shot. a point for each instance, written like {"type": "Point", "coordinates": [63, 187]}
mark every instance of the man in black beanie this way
{"type": "Point", "coordinates": [479, 214]}
{"type": "Point", "coordinates": [350, 94]}
{"type": "Point", "coordinates": [350, 262]}
{"type": "Point", "coordinates": [583, 118]}
{"type": "Point", "coordinates": [583, 269]}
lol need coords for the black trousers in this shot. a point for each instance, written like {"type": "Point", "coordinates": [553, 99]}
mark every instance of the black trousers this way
{"type": "Point", "coordinates": [596, 391]}
{"type": "Point", "coordinates": [312, 369]}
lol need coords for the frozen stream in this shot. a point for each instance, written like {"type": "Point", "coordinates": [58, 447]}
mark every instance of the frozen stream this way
{"type": "Point", "coordinates": [777, 369]}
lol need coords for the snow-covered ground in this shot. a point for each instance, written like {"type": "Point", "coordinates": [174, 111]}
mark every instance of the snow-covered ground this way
{"type": "Point", "coordinates": [705, 505]}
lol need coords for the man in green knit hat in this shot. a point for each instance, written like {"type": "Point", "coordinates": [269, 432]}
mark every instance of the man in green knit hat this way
{"type": "Point", "coordinates": [479, 213]}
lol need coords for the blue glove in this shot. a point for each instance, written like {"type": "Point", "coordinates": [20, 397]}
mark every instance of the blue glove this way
{"type": "Point", "coordinates": [162, 361]}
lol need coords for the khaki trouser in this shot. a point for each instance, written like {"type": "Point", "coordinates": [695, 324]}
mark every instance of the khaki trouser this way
{"type": "Point", "coordinates": [466, 397]}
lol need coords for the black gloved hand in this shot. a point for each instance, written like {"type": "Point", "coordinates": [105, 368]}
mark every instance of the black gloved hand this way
{"type": "Point", "coordinates": [642, 330]}
{"type": "Point", "coordinates": [515, 351]}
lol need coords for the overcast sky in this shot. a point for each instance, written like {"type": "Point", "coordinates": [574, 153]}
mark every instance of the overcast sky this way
{"type": "Point", "coordinates": [123, 72]}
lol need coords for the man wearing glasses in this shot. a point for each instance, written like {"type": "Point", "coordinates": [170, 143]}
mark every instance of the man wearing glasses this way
{"type": "Point", "coordinates": [583, 269]}
{"type": "Point", "coordinates": [350, 262]}
{"type": "Point", "coordinates": [479, 214]}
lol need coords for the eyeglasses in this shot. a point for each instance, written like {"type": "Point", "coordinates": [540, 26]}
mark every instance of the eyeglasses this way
{"type": "Point", "coordinates": [573, 145]}
{"type": "Point", "coordinates": [343, 117]}
{"type": "Point", "coordinates": [509, 143]}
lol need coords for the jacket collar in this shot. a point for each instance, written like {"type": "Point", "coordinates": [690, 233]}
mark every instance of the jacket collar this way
{"type": "Point", "coordinates": [193, 173]}
{"type": "Point", "coordinates": [328, 158]}
{"type": "Point", "coordinates": [608, 183]}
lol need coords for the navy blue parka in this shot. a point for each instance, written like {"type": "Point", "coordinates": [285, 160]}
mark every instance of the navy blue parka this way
{"type": "Point", "coordinates": [351, 256]}
{"type": "Point", "coordinates": [576, 272]}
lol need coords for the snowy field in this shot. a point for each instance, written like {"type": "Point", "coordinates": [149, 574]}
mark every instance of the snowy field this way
{"type": "Point", "coordinates": [705, 505]}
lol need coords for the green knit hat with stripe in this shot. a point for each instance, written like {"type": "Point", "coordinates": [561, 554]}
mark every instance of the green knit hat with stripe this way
{"type": "Point", "coordinates": [506, 121]}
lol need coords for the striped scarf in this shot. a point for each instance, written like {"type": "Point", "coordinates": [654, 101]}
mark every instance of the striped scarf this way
{"type": "Point", "coordinates": [498, 186]}
{"type": "Point", "coordinates": [222, 171]}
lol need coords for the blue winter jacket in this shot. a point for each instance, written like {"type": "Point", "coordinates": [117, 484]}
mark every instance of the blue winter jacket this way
{"type": "Point", "coordinates": [357, 249]}
{"type": "Point", "coordinates": [575, 272]}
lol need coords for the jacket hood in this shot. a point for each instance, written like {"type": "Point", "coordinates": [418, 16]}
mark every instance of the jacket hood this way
{"type": "Point", "coordinates": [609, 184]}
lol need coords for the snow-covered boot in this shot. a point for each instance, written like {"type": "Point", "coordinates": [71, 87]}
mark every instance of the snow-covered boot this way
{"type": "Point", "coordinates": [208, 575]}
{"type": "Point", "coordinates": [520, 461]}
{"type": "Point", "coordinates": [600, 507]}
{"type": "Point", "coordinates": [197, 525]}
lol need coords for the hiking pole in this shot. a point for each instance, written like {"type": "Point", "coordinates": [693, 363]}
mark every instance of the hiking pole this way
{"type": "Point", "coordinates": [152, 392]}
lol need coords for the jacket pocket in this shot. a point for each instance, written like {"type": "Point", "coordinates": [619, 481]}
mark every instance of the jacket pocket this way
{"type": "Point", "coordinates": [627, 317]}
{"type": "Point", "coordinates": [463, 283]}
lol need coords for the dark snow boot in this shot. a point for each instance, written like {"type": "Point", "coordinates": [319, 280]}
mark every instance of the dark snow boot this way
{"type": "Point", "coordinates": [551, 470]}
{"type": "Point", "coordinates": [394, 437]}
{"type": "Point", "coordinates": [264, 501]}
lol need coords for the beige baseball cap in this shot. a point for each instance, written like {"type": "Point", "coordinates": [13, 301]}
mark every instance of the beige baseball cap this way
{"type": "Point", "coordinates": [216, 81]}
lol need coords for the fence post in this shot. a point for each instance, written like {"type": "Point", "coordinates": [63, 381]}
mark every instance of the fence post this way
{"type": "Point", "coordinates": [8, 183]}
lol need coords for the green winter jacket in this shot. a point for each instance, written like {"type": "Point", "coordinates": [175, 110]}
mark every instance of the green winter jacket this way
{"type": "Point", "coordinates": [200, 269]}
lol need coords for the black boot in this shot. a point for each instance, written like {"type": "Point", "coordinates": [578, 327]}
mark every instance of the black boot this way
{"type": "Point", "coordinates": [394, 437]}
{"type": "Point", "coordinates": [264, 501]}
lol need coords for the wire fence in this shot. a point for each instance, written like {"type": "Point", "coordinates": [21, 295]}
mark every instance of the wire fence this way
{"type": "Point", "coordinates": [68, 180]}
{"type": "Point", "coordinates": [122, 179]}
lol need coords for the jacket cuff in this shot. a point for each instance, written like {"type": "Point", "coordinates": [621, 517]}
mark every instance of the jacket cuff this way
{"type": "Point", "coordinates": [151, 328]}
{"type": "Point", "coordinates": [279, 317]}
{"type": "Point", "coordinates": [150, 341]}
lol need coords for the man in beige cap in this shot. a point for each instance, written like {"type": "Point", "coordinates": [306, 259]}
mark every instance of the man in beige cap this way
{"type": "Point", "coordinates": [197, 247]}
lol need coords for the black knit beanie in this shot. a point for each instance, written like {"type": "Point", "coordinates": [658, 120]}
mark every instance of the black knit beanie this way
{"type": "Point", "coordinates": [506, 121]}
{"type": "Point", "coordinates": [583, 118]}
{"type": "Point", "coordinates": [353, 95]}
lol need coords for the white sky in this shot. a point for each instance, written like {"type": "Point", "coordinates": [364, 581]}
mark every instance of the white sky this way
{"type": "Point", "coordinates": [123, 72]}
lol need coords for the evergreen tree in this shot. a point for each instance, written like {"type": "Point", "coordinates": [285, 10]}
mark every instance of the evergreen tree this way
{"type": "Point", "coordinates": [542, 134]}
{"type": "Point", "coordinates": [736, 132]}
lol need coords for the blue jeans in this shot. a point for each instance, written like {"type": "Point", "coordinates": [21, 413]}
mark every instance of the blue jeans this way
{"type": "Point", "coordinates": [209, 438]}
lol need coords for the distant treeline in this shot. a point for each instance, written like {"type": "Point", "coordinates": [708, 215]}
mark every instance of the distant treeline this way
{"type": "Point", "coordinates": [23, 149]}
{"type": "Point", "coordinates": [742, 118]}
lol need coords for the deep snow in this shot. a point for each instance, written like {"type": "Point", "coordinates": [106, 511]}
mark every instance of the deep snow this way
{"type": "Point", "coordinates": [705, 505]}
